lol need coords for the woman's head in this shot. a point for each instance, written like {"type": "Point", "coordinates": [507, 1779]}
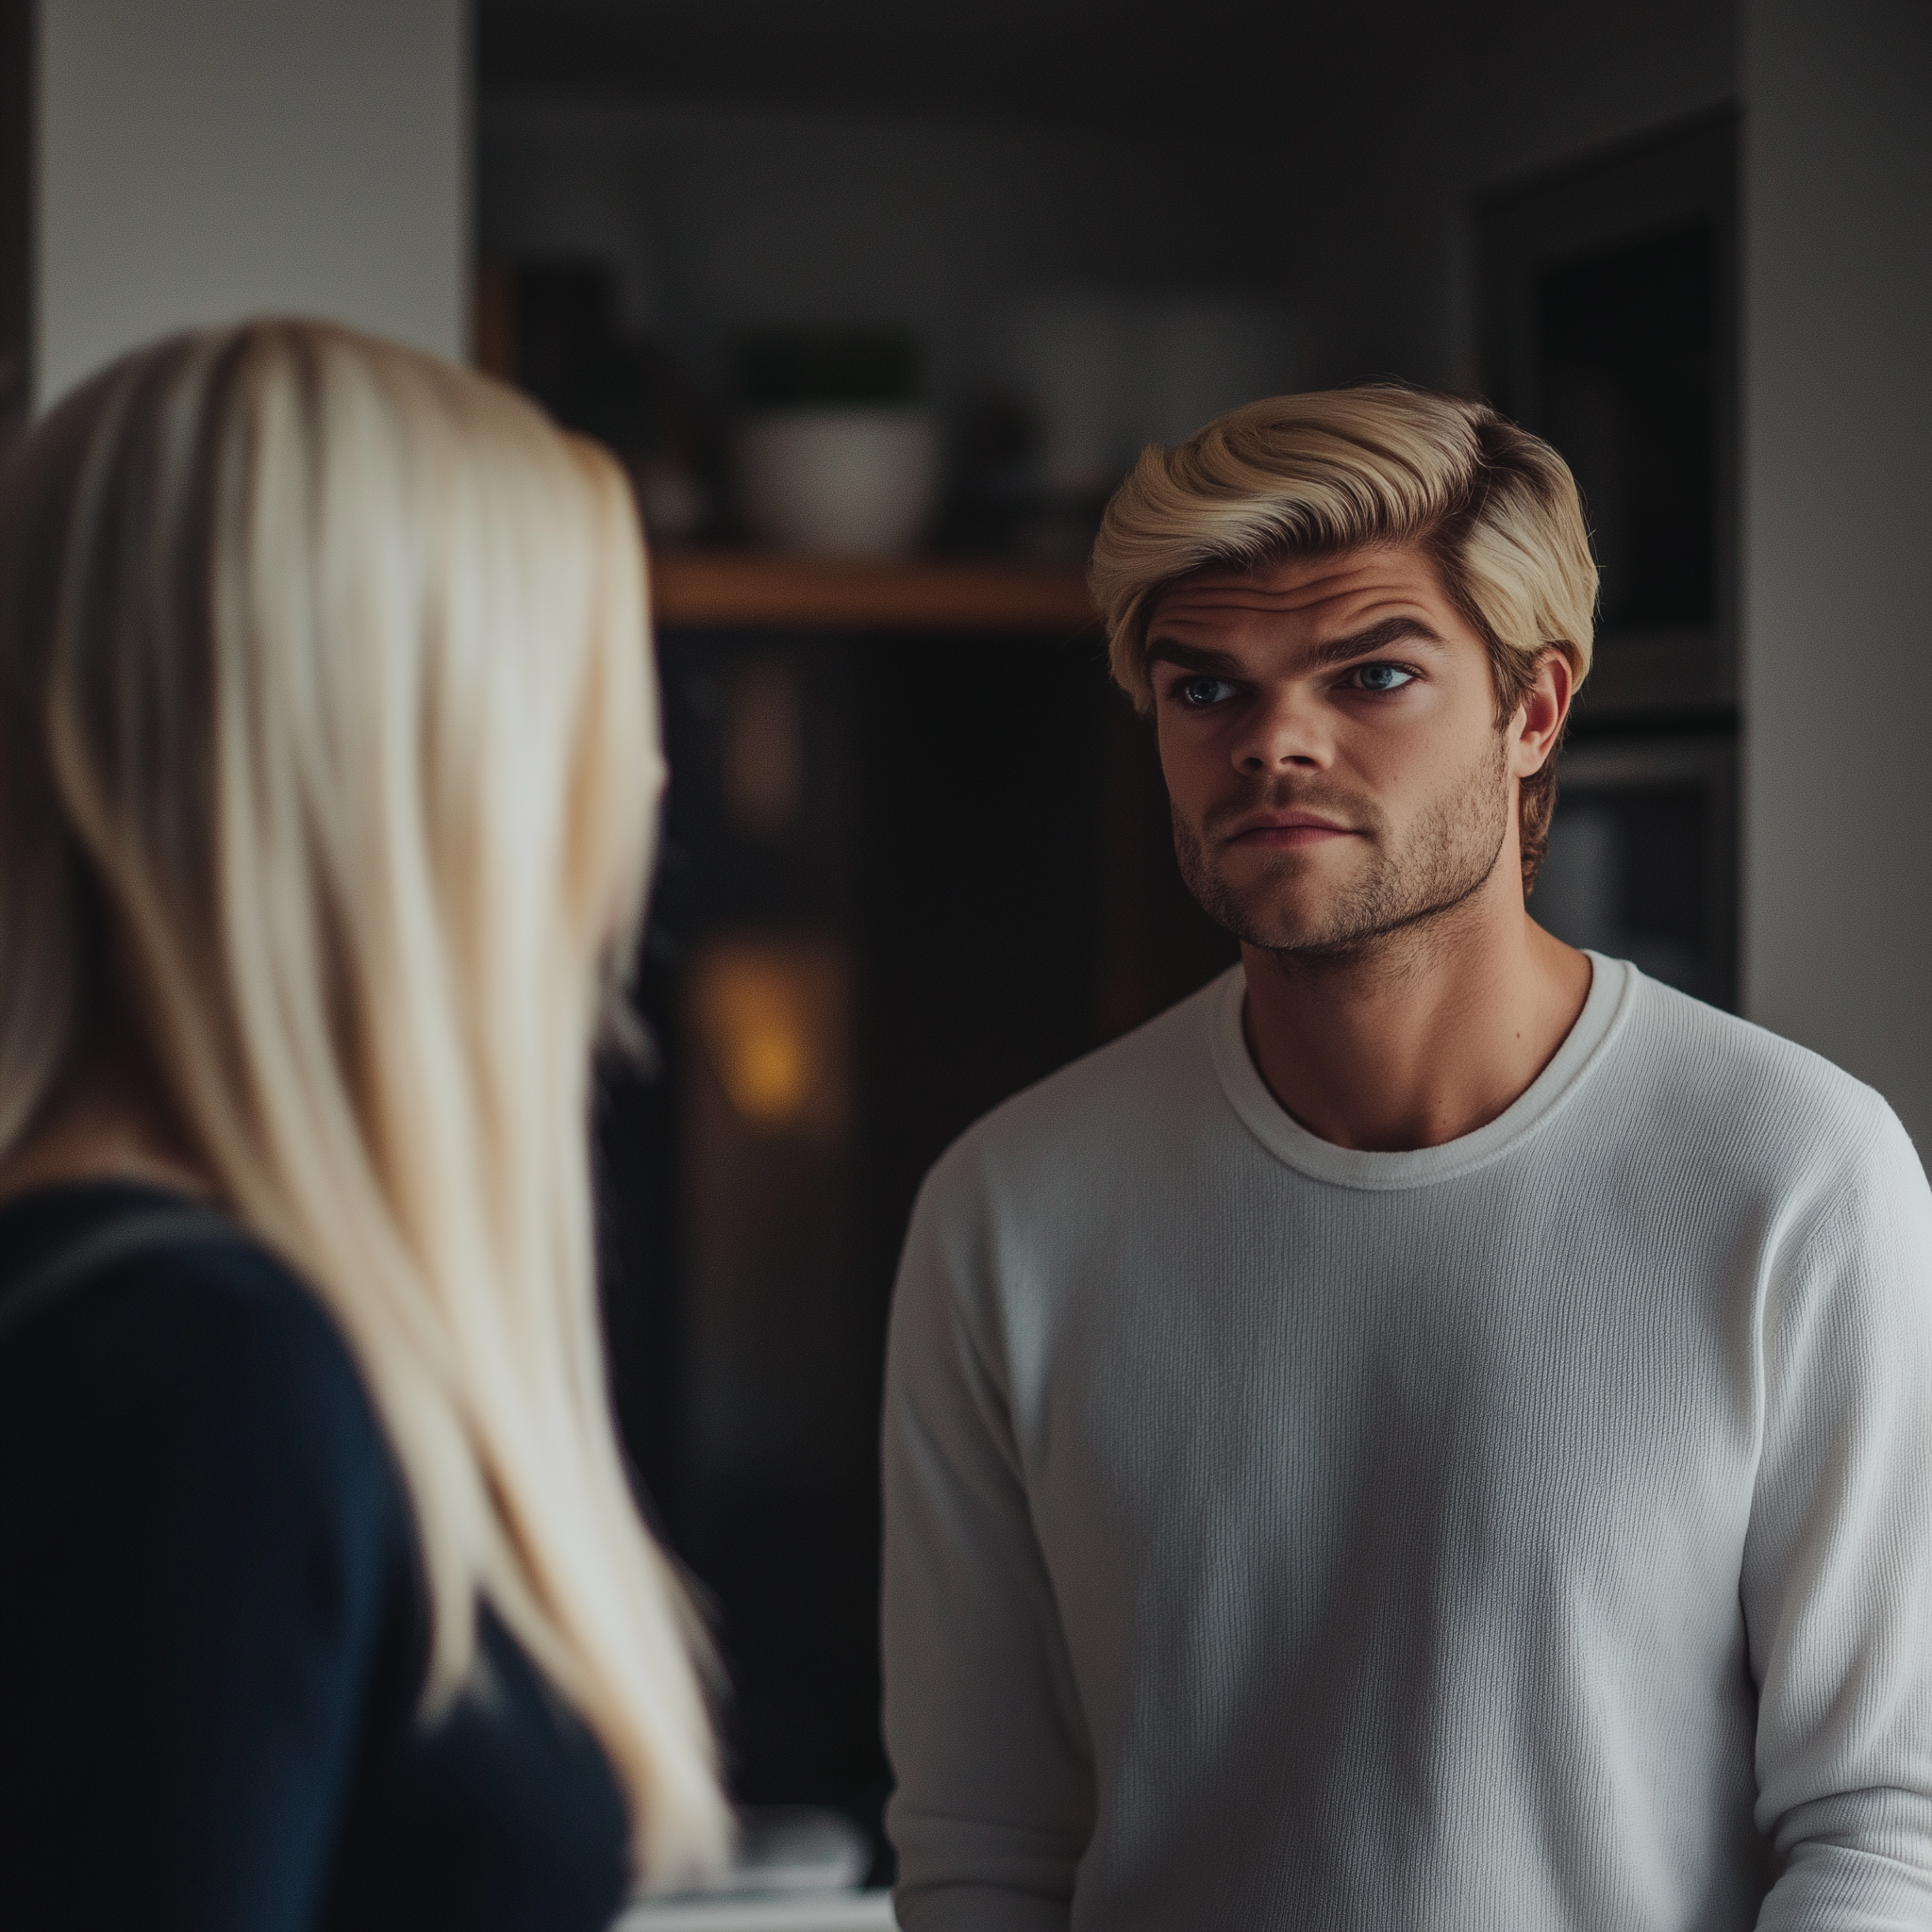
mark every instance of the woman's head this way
{"type": "Point", "coordinates": [328, 775]}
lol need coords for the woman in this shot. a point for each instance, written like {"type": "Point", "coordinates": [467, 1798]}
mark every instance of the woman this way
{"type": "Point", "coordinates": [328, 779]}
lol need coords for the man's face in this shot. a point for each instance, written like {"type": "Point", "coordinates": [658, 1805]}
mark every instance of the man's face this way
{"type": "Point", "coordinates": [1328, 732]}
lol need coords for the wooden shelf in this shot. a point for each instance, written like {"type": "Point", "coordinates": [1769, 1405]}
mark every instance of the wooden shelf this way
{"type": "Point", "coordinates": [743, 589]}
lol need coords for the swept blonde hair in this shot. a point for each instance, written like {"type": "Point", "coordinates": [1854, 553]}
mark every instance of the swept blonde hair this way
{"type": "Point", "coordinates": [1494, 506]}
{"type": "Point", "coordinates": [328, 773]}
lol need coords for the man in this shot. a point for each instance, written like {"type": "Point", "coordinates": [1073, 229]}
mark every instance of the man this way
{"type": "Point", "coordinates": [1435, 1430]}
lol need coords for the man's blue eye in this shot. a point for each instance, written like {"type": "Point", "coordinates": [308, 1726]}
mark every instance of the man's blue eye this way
{"type": "Point", "coordinates": [1382, 676]}
{"type": "Point", "coordinates": [1202, 691]}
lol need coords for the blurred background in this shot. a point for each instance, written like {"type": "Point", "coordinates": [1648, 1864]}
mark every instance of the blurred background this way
{"type": "Point", "coordinates": [877, 299]}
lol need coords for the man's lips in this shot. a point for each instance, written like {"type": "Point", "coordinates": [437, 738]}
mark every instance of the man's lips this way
{"type": "Point", "coordinates": [1285, 830]}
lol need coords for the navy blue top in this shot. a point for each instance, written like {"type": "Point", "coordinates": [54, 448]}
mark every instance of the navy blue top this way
{"type": "Point", "coordinates": [213, 1630]}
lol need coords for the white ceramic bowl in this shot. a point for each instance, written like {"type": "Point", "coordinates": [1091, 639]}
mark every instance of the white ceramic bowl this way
{"type": "Point", "coordinates": [839, 482]}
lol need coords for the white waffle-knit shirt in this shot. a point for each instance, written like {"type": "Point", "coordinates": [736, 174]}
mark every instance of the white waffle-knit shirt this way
{"type": "Point", "coordinates": [1529, 1532]}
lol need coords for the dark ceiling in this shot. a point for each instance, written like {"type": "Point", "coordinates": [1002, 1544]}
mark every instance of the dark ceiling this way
{"type": "Point", "coordinates": [1201, 63]}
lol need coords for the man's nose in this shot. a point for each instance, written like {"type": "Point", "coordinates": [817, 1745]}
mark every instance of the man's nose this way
{"type": "Point", "coordinates": [1283, 734]}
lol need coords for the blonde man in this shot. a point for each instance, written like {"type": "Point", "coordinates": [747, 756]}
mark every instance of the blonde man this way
{"type": "Point", "coordinates": [1436, 1430]}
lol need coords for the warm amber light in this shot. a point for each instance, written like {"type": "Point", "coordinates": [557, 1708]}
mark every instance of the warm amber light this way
{"type": "Point", "coordinates": [760, 1014]}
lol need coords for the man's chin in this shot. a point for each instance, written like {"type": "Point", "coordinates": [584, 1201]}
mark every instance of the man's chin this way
{"type": "Point", "coordinates": [1295, 941]}
{"type": "Point", "coordinates": [1263, 919]}
{"type": "Point", "coordinates": [1282, 901]}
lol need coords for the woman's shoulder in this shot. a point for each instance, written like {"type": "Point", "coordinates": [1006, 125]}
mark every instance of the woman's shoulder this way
{"type": "Point", "coordinates": [209, 1590]}
{"type": "Point", "coordinates": [195, 1356]}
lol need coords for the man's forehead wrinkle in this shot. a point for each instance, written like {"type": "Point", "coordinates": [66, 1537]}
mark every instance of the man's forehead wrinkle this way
{"type": "Point", "coordinates": [1248, 595]}
{"type": "Point", "coordinates": [1320, 567]}
{"type": "Point", "coordinates": [1210, 599]}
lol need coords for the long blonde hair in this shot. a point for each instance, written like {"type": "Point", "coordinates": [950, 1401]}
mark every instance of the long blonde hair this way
{"type": "Point", "coordinates": [329, 770]}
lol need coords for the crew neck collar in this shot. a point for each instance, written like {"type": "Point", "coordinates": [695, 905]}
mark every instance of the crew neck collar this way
{"type": "Point", "coordinates": [1612, 989]}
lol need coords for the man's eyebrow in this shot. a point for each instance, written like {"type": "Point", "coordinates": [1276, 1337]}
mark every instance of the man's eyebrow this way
{"type": "Point", "coordinates": [1191, 657]}
{"type": "Point", "coordinates": [1359, 644]}
{"type": "Point", "coordinates": [1378, 636]}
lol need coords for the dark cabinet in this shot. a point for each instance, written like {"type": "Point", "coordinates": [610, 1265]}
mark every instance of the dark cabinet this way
{"type": "Point", "coordinates": [915, 859]}
{"type": "Point", "coordinates": [1609, 293]}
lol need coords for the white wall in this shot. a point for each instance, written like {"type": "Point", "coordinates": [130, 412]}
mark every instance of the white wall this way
{"type": "Point", "coordinates": [205, 160]}
{"type": "Point", "coordinates": [1838, 661]}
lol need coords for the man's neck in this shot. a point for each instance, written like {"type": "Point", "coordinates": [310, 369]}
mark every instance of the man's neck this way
{"type": "Point", "coordinates": [1421, 1035]}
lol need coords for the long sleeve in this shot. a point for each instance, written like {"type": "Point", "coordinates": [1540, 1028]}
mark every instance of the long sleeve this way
{"type": "Point", "coordinates": [1837, 1575]}
{"type": "Point", "coordinates": [1531, 1532]}
{"type": "Point", "coordinates": [996, 1792]}
{"type": "Point", "coordinates": [195, 1517]}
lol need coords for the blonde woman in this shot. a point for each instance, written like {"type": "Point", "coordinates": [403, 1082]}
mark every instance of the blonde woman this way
{"type": "Point", "coordinates": [328, 779]}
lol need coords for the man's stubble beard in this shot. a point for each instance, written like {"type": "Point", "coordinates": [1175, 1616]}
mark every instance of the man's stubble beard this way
{"type": "Point", "coordinates": [1407, 892]}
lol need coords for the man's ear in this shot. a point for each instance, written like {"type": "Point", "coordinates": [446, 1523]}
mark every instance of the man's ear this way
{"type": "Point", "coordinates": [1539, 721]}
